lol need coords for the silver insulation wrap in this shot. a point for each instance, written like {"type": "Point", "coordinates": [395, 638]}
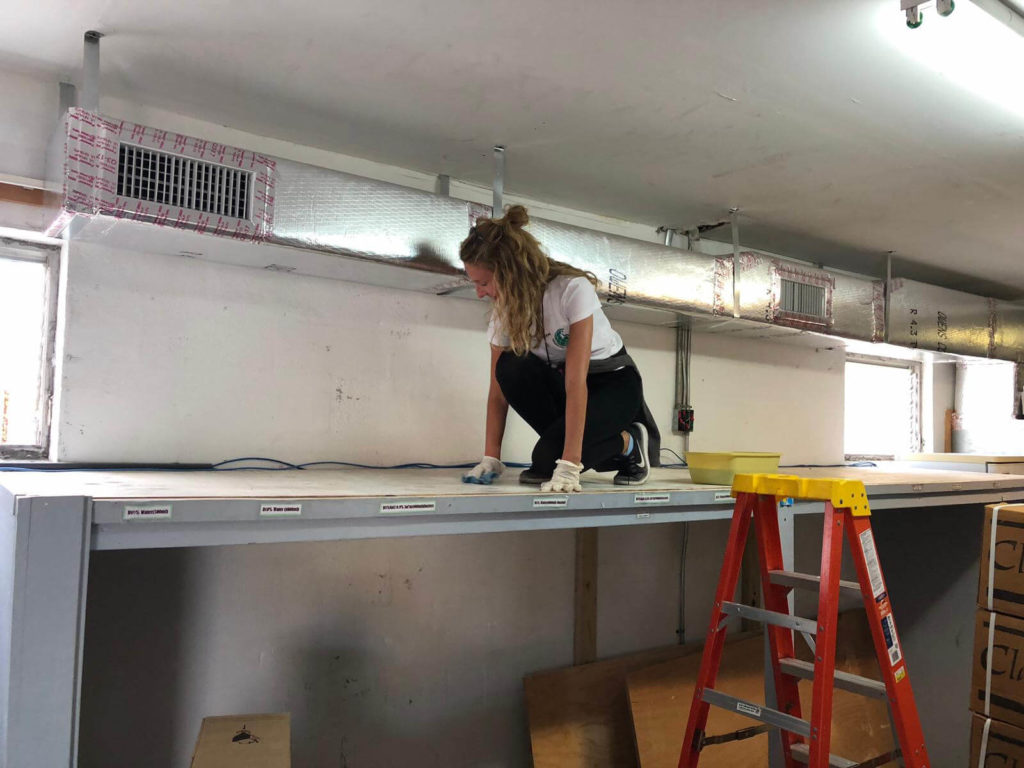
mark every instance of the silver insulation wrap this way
{"type": "Point", "coordinates": [361, 218]}
{"type": "Point", "coordinates": [936, 319]}
{"type": "Point", "coordinates": [843, 305]}
{"type": "Point", "coordinates": [130, 176]}
{"type": "Point", "coordinates": [1008, 336]}
{"type": "Point", "coordinates": [635, 272]}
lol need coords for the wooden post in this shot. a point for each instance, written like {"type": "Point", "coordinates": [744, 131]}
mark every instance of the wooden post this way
{"type": "Point", "coordinates": [584, 646]}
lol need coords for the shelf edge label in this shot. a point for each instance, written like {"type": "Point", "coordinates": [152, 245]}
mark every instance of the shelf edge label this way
{"type": "Point", "coordinates": [652, 498]}
{"type": "Point", "coordinates": [280, 510]}
{"type": "Point", "coordinates": [550, 502]}
{"type": "Point", "coordinates": [399, 507]}
{"type": "Point", "coordinates": [135, 513]}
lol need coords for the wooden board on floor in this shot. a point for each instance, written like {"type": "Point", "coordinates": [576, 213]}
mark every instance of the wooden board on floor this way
{"type": "Point", "coordinates": [660, 695]}
{"type": "Point", "coordinates": [579, 716]}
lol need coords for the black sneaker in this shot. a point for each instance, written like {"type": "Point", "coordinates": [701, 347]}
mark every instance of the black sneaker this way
{"type": "Point", "coordinates": [638, 466]}
{"type": "Point", "coordinates": [530, 476]}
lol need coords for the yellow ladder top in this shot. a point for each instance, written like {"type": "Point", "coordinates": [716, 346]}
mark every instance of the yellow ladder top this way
{"type": "Point", "coordinates": [842, 493]}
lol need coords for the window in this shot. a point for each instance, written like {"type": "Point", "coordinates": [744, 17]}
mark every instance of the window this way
{"type": "Point", "coordinates": [882, 408]}
{"type": "Point", "coordinates": [27, 323]}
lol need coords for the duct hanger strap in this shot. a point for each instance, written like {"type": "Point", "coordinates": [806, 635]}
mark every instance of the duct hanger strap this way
{"type": "Point", "coordinates": [735, 225]}
{"type": "Point", "coordinates": [91, 72]}
{"type": "Point", "coordinates": [498, 206]}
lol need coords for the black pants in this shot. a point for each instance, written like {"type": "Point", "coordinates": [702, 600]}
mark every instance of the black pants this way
{"type": "Point", "coordinates": [536, 391]}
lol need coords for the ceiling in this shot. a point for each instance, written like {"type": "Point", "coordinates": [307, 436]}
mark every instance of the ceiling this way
{"type": "Point", "coordinates": [810, 117]}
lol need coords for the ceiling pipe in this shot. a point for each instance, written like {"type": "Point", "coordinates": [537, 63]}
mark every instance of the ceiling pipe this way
{"type": "Point", "coordinates": [91, 72]}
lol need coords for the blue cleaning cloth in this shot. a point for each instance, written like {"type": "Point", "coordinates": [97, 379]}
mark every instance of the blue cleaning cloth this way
{"type": "Point", "coordinates": [485, 479]}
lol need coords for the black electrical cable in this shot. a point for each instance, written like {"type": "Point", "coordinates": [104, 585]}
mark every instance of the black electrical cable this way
{"type": "Point", "coordinates": [287, 465]}
{"type": "Point", "coordinates": [682, 461]}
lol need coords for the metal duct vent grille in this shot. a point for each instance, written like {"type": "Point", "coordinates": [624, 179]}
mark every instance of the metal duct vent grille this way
{"type": "Point", "coordinates": [159, 177]}
{"type": "Point", "coordinates": [803, 300]}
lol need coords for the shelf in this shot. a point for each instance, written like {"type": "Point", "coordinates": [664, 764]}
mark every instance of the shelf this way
{"type": "Point", "coordinates": [169, 509]}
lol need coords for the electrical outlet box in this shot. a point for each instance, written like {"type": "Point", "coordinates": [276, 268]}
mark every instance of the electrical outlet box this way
{"type": "Point", "coordinates": [684, 419]}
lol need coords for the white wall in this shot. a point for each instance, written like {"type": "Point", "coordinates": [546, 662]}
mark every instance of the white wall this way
{"type": "Point", "coordinates": [943, 396]}
{"type": "Point", "coordinates": [170, 359]}
{"type": "Point", "coordinates": [28, 117]}
{"type": "Point", "coordinates": [760, 396]}
{"type": "Point", "coordinates": [389, 652]}
{"type": "Point", "coordinates": [27, 121]}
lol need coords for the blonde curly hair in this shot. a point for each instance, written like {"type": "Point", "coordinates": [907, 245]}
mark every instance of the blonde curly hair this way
{"type": "Point", "coordinates": [522, 272]}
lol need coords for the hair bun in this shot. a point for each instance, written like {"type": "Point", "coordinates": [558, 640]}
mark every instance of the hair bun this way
{"type": "Point", "coordinates": [517, 217]}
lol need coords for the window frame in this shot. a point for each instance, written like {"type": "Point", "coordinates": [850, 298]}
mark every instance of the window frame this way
{"type": "Point", "coordinates": [45, 252]}
{"type": "Point", "coordinates": [916, 396]}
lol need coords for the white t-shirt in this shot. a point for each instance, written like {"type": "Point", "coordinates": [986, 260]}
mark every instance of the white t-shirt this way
{"type": "Point", "coordinates": [567, 300]}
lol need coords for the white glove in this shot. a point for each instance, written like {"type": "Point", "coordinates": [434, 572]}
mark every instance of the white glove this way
{"type": "Point", "coordinates": [565, 478]}
{"type": "Point", "coordinates": [486, 472]}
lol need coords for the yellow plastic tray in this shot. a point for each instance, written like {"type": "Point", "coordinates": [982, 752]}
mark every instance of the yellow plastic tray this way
{"type": "Point", "coordinates": [719, 468]}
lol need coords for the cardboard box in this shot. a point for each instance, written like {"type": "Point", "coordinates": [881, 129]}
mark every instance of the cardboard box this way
{"type": "Point", "coordinates": [244, 741]}
{"type": "Point", "coordinates": [998, 693]}
{"type": "Point", "coordinates": [1001, 579]}
{"type": "Point", "coordinates": [1002, 746]}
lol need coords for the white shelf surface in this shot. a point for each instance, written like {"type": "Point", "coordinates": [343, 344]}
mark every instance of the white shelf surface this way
{"type": "Point", "coordinates": [218, 507]}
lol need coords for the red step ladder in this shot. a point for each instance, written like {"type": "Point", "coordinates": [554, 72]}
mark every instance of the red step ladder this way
{"type": "Point", "coordinates": [805, 741]}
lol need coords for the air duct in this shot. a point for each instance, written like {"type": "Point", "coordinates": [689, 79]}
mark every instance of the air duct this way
{"type": "Point", "coordinates": [793, 295]}
{"type": "Point", "coordinates": [123, 182]}
{"type": "Point", "coordinates": [941, 320]}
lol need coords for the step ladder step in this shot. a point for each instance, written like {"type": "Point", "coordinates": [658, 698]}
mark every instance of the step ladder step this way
{"type": "Point", "coordinates": [809, 581]}
{"type": "Point", "coordinates": [802, 753]}
{"type": "Point", "coordinates": [770, 617]}
{"type": "Point", "coordinates": [865, 686]}
{"type": "Point", "coordinates": [757, 712]}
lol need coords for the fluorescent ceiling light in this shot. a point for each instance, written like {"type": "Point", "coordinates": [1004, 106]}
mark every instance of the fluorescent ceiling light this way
{"type": "Point", "coordinates": [975, 47]}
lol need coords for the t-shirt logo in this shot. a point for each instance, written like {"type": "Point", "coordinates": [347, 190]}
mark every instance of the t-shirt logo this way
{"type": "Point", "coordinates": [562, 337]}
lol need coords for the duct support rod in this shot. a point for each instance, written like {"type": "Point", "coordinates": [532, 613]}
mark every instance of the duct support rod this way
{"type": "Point", "coordinates": [1018, 387]}
{"type": "Point", "coordinates": [887, 295]}
{"type": "Point", "coordinates": [498, 207]}
{"type": "Point", "coordinates": [683, 342]}
{"type": "Point", "coordinates": [68, 98]}
{"type": "Point", "coordinates": [735, 225]}
{"type": "Point", "coordinates": [693, 240]}
{"type": "Point", "coordinates": [91, 72]}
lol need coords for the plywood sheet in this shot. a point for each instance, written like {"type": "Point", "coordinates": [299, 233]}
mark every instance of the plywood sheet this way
{"type": "Point", "coordinates": [371, 483]}
{"type": "Point", "coordinates": [579, 716]}
{"type": "Point", "coordinates": [660, 697]}
{"type": "Point", "coordinates": [327, 483]}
